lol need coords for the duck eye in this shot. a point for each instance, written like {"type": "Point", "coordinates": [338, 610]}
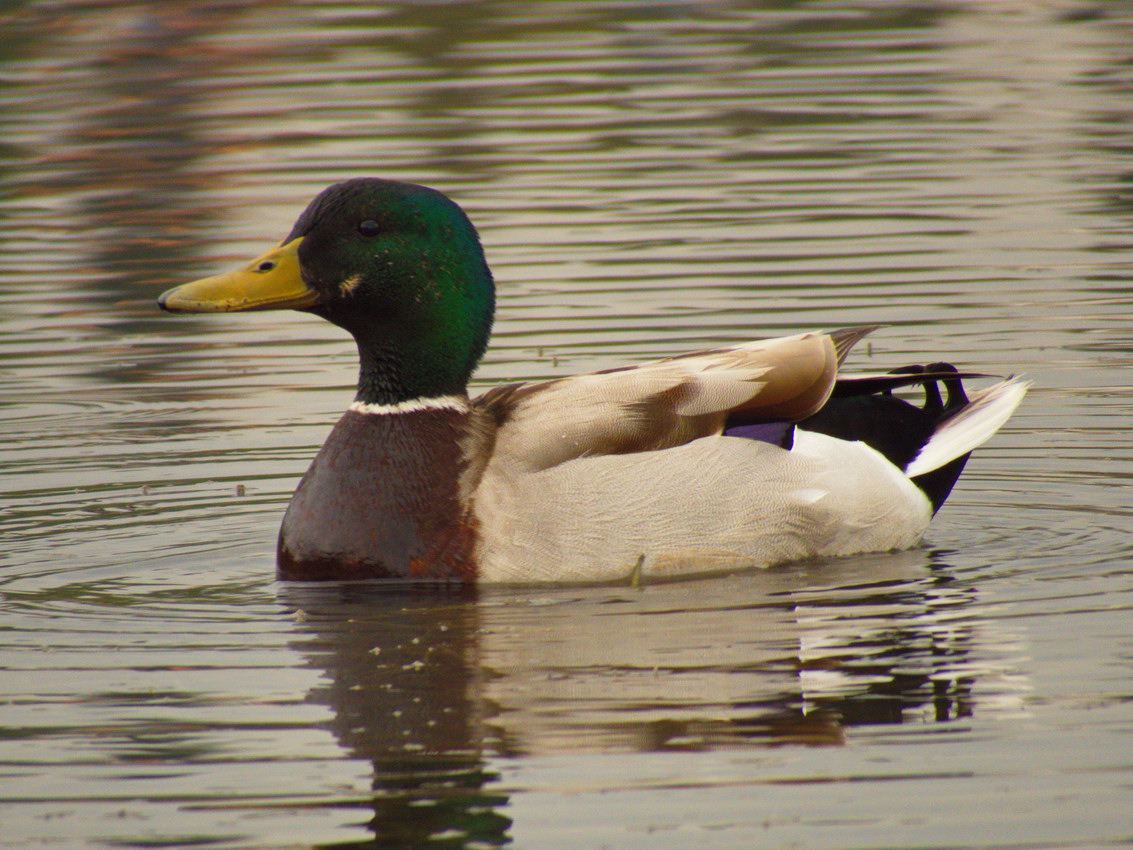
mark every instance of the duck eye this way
{"type": "Point", "coordinates": [369, 227]}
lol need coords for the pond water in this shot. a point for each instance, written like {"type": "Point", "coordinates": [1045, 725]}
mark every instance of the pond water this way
{"type": "Point", "coordinates": [647, 179]}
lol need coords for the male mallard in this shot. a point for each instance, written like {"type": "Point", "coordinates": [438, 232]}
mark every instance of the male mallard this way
{"type": "Point", "coordinates": [752, 455]}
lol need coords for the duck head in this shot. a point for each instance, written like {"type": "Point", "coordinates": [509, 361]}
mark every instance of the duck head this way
{"type": "Point", "coordinates": [397, 265]}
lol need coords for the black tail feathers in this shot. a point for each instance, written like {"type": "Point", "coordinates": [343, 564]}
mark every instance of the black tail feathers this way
{"type": "Point", "coordinates": [865, 409]}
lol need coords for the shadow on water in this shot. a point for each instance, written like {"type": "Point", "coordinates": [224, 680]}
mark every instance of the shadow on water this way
{"type": "Point", "coordinates": [438, 689]}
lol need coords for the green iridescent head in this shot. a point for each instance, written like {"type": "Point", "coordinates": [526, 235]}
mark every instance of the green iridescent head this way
{"type": "Point", "coordinates": [397, 265]}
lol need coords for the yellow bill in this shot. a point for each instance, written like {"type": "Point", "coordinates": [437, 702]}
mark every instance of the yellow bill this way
{"type": "Point", "coordinates": [272, 281]}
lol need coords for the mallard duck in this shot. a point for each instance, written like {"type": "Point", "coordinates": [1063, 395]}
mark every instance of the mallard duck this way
{"type": "Point", "coordinates": [745, 456]}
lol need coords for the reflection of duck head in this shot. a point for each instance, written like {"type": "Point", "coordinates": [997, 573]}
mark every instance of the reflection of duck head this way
{"type": "Point", "coordinates": [403, 675]}
{"type": "Point", "coordinates": [432, 686]}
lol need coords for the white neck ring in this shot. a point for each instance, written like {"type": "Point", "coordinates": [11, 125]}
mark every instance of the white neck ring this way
{"type": "Point", "coordinates": [413, 405]}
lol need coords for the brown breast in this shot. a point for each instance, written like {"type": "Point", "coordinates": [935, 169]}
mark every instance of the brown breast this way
{"type": "Point", "coordinates": [381, 500]}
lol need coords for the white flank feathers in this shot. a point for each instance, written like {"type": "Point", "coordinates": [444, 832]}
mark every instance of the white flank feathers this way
{"type": "Point", "coordinates": [985, 414]}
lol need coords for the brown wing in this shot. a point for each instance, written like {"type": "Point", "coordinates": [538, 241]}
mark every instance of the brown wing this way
{"type": "Point", "coordinates": [664, 403]}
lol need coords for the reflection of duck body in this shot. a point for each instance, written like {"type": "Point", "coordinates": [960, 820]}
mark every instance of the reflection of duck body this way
{"type": "Point", "coordinates": [688, 464]}
{"type": "Point", "coordinates": [793, 654]}
{"type": "Point", "coordinates": [798, 653]}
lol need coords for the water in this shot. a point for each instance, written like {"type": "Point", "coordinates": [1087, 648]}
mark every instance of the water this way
{"type": "Point", "coordinates": [647, 179]}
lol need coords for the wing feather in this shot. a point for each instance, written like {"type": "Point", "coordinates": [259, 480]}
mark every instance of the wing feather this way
{"type": "Point", "coordinates": [664, 403]}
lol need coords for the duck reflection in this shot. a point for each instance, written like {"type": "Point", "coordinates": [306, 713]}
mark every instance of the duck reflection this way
{"type": "Point", "coordinates": [404, 680]}
{"type": "Point", "coordinates": [434, 687]}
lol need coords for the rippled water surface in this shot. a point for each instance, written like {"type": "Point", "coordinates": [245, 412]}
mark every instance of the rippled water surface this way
{"type": "Point", "coordinates": [647, 179]}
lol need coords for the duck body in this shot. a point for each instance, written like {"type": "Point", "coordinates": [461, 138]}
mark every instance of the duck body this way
{"type": "Point", "coordinates": [641, 516]}
{"type": "Point", "coordinates": [746, 456]}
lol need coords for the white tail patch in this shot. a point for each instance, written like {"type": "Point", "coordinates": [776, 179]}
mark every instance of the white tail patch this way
{"type": "Point", "coordinates": [986, 413]}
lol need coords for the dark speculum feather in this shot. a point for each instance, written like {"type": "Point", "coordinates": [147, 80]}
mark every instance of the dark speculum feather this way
{"type": "Point", "coordinates": [781, 434]}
